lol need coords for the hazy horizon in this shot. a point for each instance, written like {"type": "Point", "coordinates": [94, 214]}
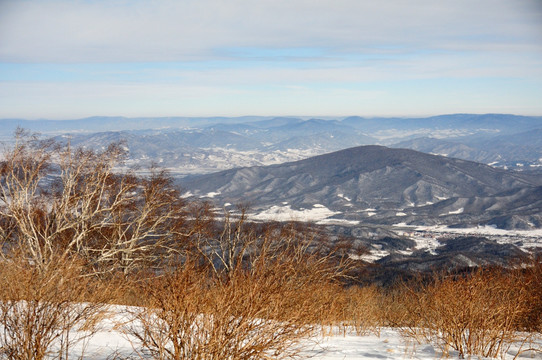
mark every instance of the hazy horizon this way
{"type": "Point", "coordinates": [302, 117]}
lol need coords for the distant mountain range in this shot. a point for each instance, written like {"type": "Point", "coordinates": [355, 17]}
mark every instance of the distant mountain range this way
{"type": "Point", "coordinates": [520, 151]}
{"type": "Point", "coordinates": [380, 185]}
{"type": "Point", "coordinates": [453, 125]}
{"type": "Point", "coordinates": [452, 170]}
{"type": "Point", "coordinates": [203, 145]}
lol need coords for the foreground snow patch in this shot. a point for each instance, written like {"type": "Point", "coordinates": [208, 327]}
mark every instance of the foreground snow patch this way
{"type": "Point", "coordinates": [111, 342]}
{"type": "Point", "coordinates": [389, 344]}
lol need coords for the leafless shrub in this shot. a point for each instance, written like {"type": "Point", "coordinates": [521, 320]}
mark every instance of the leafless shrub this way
{"type": "Point", "coordinates": [475, 314]}
{"type": "Point", "coordinates": [362, 309]}
{"type": "Point", "coordinates": [308, 261]}
{"type": "Point", "coordinates": [530, 276]}
{"type": "Point", "coordinates": [191, 315]}
{"type": "Point", "coordinates": [44, 312]}
{"type": "Point", "coordinates": [252, 292]}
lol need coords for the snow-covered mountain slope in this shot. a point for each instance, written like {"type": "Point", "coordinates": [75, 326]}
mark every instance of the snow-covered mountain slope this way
{"type": "Point", "coordinates": [381, 185]}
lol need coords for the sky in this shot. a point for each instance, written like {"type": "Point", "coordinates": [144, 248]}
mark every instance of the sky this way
{"type": "Point", "coordinates": [64, 59]}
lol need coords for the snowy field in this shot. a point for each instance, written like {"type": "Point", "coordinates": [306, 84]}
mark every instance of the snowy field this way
{"type": "Point", "coordinates": [285, 213]}
{"type": "Point", "coordinates": [485, 230]}
{"type": "Point", "coordinates": [111, 343]}
{"type": "Point", "coordinates": [526, 240]}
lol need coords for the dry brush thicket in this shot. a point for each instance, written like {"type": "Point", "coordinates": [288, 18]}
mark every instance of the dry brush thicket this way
{"type": "Point", "coordinates": [489, 312]}
{"type": "Point", "coordinates": [43, 313]}
{"type": "Point", "coordinates": [78, 233]}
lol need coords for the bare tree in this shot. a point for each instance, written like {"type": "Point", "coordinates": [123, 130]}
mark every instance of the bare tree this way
{"type": "Point", "coordinates": [22, 198]}
{"type": "Point", "coordinates": [58, 201]}
{"type": "Point", "coordinates": [225, 248]}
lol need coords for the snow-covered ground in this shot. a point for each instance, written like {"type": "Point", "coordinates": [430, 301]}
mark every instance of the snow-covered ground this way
{"type": "Point", "coordinates": [389, 344]}
{"type": "Point", "coordinates": [425, 236]}
{"type": "Point", "coordinates": [481, 230]}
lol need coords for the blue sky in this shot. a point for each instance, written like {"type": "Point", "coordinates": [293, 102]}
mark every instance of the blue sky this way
{"type": "Point", "coordinates": [72, 59]}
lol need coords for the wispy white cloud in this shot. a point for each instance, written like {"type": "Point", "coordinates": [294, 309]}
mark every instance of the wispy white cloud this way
{"type": "Point", "coordinates": [109, 31]}
{"type": "Point", "coordinates": [169, 57]}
